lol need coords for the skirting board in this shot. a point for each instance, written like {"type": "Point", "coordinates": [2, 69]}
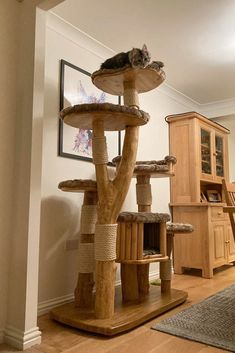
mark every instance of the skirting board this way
{"type": "Point", "coordinates": [46, 306]}
{"type": "Point", "coordinates": [22, 339]}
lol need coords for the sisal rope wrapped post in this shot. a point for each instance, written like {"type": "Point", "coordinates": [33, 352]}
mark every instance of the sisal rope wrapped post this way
{"type": "Point", "coordinates": [143, 194]}
{"type": "Point", "coordinates": [130, 94]}
{"type": "Point", "coordinates": [88, 219]}
{"type": "Point", "coordinates": [105, 242]}
{"type": "Point", "coordinates": [86, 263]}
{"type": "Point", "coordinates": [99, 150]}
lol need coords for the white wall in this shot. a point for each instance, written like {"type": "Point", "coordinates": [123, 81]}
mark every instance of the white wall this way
{"type": "Point", "coordinates": [60, 211]}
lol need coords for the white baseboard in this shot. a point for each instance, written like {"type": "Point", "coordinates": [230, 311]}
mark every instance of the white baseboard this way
{"type": "Point", "coordinates": [22, 339]}
{"type": "Point", "coordinates": [153, 275]}
{"type": "Point", "coordinates": [45, 306]}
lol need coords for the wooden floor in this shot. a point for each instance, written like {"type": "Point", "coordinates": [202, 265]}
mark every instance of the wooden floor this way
{"type": "Point", "coordinates": [57, 338]}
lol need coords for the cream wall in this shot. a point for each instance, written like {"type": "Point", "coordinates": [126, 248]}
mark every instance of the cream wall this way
{"type": "Point", "coordinates": [22, 58]}
{"type": "Point", "coordinates": [9, 25]}
{"type": "Point", "coordinates": [60, 211]}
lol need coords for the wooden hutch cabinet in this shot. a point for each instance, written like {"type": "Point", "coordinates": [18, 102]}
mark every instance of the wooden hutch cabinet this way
{"type": "Point", "coordinates": [201, 148]}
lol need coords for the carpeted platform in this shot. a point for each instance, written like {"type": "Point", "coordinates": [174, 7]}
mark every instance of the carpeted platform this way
{"type": "Point", "coordinates": [211, 321]}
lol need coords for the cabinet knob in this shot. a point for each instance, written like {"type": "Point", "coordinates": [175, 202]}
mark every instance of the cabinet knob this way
{"type": "Point", "coordinates": [227, 241]}
{"type": "Point", "coordinates": [219, 213]}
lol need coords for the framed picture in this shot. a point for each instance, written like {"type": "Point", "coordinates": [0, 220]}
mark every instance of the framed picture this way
{"type": "Point", "coordinates": [76, 87]}
{"type": "Point", "coordinates": [213, 196]}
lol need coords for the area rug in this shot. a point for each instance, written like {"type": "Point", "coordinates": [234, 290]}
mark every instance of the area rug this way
{"type": "Point", "coordinates": [211, 321]}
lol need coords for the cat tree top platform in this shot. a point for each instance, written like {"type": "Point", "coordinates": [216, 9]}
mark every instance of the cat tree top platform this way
{"type": "Point", "coordinates": [112, 81]}
{"type": "Point", "coordinates": [115, 117]}
{"type": "Point", "coordinates": [78, 185]}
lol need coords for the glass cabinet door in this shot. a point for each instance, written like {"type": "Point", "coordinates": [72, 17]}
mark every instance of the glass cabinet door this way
{"type": "Point", "coordinates": [206, 166]}
{"type": "Point", "coordinates": [219, 156]}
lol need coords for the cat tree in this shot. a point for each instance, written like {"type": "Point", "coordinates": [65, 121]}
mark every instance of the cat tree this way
{"type": "Point", "coordinates": [110, 313]}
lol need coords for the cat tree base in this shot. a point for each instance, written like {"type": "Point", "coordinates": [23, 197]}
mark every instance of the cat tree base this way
{"type": "Point", "coordinates": [127, 315]}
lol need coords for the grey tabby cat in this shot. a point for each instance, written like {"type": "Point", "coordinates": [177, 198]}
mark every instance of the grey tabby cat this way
{"type": "Point", "coordinates": [136, 58]}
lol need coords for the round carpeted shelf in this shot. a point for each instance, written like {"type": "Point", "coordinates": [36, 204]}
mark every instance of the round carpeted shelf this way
{"type": "Point", "coordinates": [115, 117]}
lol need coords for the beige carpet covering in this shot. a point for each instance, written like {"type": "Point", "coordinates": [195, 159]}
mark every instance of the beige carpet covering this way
{"type": "Point", "coordinates": [211, 321]}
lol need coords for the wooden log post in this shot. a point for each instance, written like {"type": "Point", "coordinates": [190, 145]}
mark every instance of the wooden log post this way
{"type": "Point", "coordinates": [111, 195]}
{"type": "Point", "coordinates": [130, 94]}
{"type": "Point", "coordinates": [135, 281]}
{"type": "Point", "coordinates": [165, 267]}
{"type": "Point", "coordinates": [84, 289]}
{"type": "Point", "coordinates": [135, 278]}
{"type": "Point", "coordinates": [143, 270]}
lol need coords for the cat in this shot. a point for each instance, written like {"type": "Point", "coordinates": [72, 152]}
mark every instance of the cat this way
{"type": "Point", "coordinates": [136, 58]}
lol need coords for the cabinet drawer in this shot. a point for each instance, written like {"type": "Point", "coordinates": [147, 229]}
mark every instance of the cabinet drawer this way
{"type": "Point", "coordinates": [217, 213]}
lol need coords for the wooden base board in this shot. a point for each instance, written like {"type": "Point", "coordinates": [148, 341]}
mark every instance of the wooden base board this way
{"type": "Point", "coordinates": [127, 315]}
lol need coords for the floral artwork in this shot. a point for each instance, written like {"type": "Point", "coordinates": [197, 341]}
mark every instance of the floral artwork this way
{"type": "Point", "coordinates": [77, 88]}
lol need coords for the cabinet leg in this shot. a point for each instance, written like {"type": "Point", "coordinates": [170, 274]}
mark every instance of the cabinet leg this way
{"type": "Point", "coordinates": [207, 273]}
{"type": "Point", "coordinates": [178, 270]}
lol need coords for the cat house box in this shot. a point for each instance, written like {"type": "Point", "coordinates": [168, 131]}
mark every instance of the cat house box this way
{"type": "Point", "coordinates": [141, 237]}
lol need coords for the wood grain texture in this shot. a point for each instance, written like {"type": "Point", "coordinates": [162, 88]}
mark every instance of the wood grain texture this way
{"type": "Point", "coordinates": [208, 246]}
{"type": "Point", "coordinates": [125, 317]}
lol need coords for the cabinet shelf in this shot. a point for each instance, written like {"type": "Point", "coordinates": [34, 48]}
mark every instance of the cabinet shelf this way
{"type": "Point", "coordinates": [205, 146]}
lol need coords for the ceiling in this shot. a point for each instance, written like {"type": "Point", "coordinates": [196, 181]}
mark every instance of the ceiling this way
{"type": "Point", "coordinates": [194, 38]}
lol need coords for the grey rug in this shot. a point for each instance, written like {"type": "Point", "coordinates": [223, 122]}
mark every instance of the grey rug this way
{"type": "Point", "coordinates": [211, 321]}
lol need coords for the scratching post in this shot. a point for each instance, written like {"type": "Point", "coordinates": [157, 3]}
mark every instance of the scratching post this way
{"type": "Point", "coordinates": [84, 289]}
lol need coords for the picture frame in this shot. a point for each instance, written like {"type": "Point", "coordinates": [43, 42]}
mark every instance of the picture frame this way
{"type": "Point", "coordinates": [213, 196]}
{"type": "Point", "coordinates": [76, 87]}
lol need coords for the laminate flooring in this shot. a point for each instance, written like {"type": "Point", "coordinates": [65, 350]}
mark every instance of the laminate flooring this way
{"type": "Point", "coordinates": [57, 338]}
